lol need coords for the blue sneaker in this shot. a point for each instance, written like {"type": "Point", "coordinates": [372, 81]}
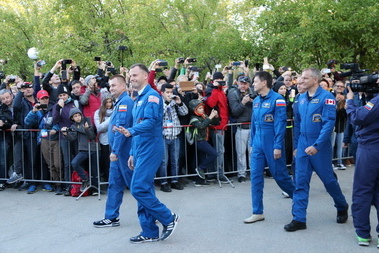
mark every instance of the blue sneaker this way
{"type": "Point", "coordinates": [32, 189]}
{"type": "Point", "coordinates": [47, 188]}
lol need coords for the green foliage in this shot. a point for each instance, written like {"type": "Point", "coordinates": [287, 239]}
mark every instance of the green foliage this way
{"type": "Point", "coordinates": [292, 32]}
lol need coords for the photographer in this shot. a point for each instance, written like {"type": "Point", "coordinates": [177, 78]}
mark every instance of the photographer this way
{"type": "Point", "coordinates": [91, 99]}
{"type": "Point", "coordinates": [240, 99]}
{"type": "Point", "coordinates": [172, 107]}
{"type": "Point", "coordinates": [5, 138]}
{"type": "Point", "coordinates": [25, 141]}
{"type": "Point", "coordinates": [366, 175]}
{"type": "Point", "coordinates": [40, 117]}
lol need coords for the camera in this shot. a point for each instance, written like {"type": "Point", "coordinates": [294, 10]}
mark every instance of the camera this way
{"type": "Point", "coordinates": [108, 63]}
{"type": "Point", "coordinates": [2, 75]}
{"type": "Point", "coordinates": [195, 69]}
{"type": "Point", "coordinates": [42, 106]}
{"type": "Point", "coordinates": [122, 48]}
{"type": "Point", "coordinates": [252, 96]}
{"type": "Point", "coordinates": [162, 63]}
{"type": "Point", "coordinates": [360, 81]}
{"type": "Point", "coordinates": [26, 85]}
{"type": "Point", "coordinates": [181, 60]}
{"type": "Point", "coordinates": [67, 61]}
{"type": "Point", "coordinates": [112, 70]}
{"type": "Point", "coordinates": [68, 129]}
{"type": "Point", "coordinates": [41, 63]}
{"type": "Point", "coordinates": [221, 83]}
{"type": "Point", "coordinates": [97, 58]}
{"type": "Point", "coordinates": [12, 79]}
{"type": "Point", "coordinates": [190, 60]}
{"type": "Point", "coordinates": [331, 63]}
{"type": "Point", "coordinates": [174, 96]}
{"type": "Point", "coordinates": [236, 63]}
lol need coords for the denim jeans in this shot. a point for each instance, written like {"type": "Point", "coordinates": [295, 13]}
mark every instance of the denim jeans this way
{"type": "Point", "coordinates": [171, 153]}
{"type": "Point", "coordinates": [337, 139]}
{"type": "Point", "coordinates": [4, 147]}
{"type": "Point", "coordinates": [218, 139]}
{"type": "Point", "coordinates": [79, 159]}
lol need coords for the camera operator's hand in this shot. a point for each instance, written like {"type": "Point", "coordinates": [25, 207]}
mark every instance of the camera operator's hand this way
{"type": "Point", "coordinates": [53, 131]}
{"type": "Point", "coordinates": [64, 130]}
{"type": "Point", "coordinates": [177, 63]}
{"type": "Point", "coordinates": [214, 114]}
{"type": "Point", "coordinates": [1, 123]}
{"type": "Point", "coordinates": [36, 108]}
{"type": "Point", "coordinates": [177, 100]}
{"type": "Point", "coordinates": [57, 66]}
{"type": "Point", "coordinates": [350, 94]}
{"type": "Point", "coordinates": [208, 76]}
{"type": "Point", "coordinates": [226, 70]}
{"type": "Point", "coordinates": [86, 125]}
{"type": "Point", "coordinates": [246, 99]}
{"type": "Point", "coordinates": [186, 62]}
{"type": "Point", "coordinates": [73, 64]}
{"type": "Point", "coordinates": [101, 65]}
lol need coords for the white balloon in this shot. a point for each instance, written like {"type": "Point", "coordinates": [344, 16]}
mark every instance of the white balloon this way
{"type": "Point", "coordinates": [33, 53]}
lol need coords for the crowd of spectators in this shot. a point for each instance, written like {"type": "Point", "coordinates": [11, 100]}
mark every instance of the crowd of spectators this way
{"type": "Point", "coordinates": [55, 122]}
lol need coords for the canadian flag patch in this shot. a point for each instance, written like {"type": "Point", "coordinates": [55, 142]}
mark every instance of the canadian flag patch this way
{"type": "Point", "coordinates": [330, 102]}
{"type": "Point", "coordinates": [153, 99]}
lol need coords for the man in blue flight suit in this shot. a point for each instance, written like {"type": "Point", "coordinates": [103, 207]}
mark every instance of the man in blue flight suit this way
{"type": "Point", "coordinates": [146, 157]}
{"type": "Point", "coordinates": [120, 175]}
{"type": "Point", "coordinates": [366, 174]}
{"type": "Point", "coordinates": [314, 122]}
{"type": "Point", "coordinates": [268, 128]}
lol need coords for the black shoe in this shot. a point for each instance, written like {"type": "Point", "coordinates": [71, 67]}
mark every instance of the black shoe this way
{"type": "Point", "coordinates": [107, 223]}
{"type": "Point", "coordinates": [295, 225]}
{"type": "Point", "coordinates": [342, 216]}
{"type": "Point", "coordinates": [169, 229]}
{"type": "Point", "coordinates": [84, 185]}
{"type": "Point", "coordinates": [200, 173]}
{"type": "Point", "coordinates": [201, 182]}
{"type": "Point", "coordinates": [67, 193]}
{"type": "Point", "coordinates": [58, 190]}
{"type": "Point", "coordinates": [165, 188]}
{"type": "Point", "coordinates": [176, 186]}
{"type": "Point", "coordinates": [241, 179]}
{"type": "Point", "coordinates": [141, 239]}
{"type": "Point", "coordinates": [24, 186]}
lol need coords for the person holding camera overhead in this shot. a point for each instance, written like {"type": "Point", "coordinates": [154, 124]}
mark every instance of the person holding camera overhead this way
{"type": "Point", "coordinates": [172, 107]}
{"type": "Point", "coordinates": [41, 118]}
{"type": "Point", "coordinates": [268, 127]}
{"type": "Point", "coordinates": [366, 174]}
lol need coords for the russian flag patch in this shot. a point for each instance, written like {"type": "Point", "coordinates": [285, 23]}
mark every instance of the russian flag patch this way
{"type": "Point", "coordinates": [280, 102]}
{"type": "Point", "coordinates": [330, 102]}
{"type": "Point", "coordinates": [369, 106]}
{"type": "Point", "coordinates": [122, 108]}
{"type": "Point", "coordinates": [153, 99]}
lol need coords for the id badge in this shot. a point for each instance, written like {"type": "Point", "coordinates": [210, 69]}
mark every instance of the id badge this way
{"type": "Point", "coordinates": [44, 133]}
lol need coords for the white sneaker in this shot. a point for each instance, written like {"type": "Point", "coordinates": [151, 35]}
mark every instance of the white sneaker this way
{"type": "Point", "coordinates": [285, 194]}
{"type": "Point", "coordinates": [254, 218]}
{"type": "Point", "coordinates": [341, 167]}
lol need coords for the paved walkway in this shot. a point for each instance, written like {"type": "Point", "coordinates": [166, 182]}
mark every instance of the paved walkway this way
{"type": "Point", "coordinates": [211, 221]}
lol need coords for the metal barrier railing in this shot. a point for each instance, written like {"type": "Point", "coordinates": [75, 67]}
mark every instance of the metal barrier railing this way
{"type": "Point", "coordinates": [20, 152]}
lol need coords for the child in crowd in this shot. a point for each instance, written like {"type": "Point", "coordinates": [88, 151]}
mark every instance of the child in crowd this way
{"type": "Point", "coordinates": [201, 122]}
{"type": "Point", "coordinates": [82, 131]}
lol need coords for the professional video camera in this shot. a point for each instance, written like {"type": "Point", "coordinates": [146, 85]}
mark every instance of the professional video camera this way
{"type": "Point", "coordinates": [360, 81]}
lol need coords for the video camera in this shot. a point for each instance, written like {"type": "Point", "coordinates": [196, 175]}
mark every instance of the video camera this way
{"type": "Point", "coordinates": [360, 81]}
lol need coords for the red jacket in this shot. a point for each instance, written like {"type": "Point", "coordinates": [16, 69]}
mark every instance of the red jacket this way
{"type": "Point", "coordinates": [218, 99]}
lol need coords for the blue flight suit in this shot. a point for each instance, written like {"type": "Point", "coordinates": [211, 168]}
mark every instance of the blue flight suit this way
{"type": "Point", "coordinates": [147, 150]}
{"type": "Point", "coordinates": [120, 175]}
{"type": "Point", "coordinates": [269, 120]}
{"type": "Point", "coordinates": [314, 122]}
{"type": "Point", "coordinates": [366, 175]}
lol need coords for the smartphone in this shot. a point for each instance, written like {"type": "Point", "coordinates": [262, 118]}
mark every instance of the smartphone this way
{"type": "Point", "coordinates": [97, 58]}
{"type": "Point", "coordinates": [41, 106]}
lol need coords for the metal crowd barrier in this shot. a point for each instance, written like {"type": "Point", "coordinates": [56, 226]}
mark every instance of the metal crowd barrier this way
{"type": "Point", "coordinates": [12, 147]}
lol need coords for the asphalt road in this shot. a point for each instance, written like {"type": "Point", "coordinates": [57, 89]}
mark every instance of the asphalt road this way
{"type": "Point", "coordinates": [211, 221]}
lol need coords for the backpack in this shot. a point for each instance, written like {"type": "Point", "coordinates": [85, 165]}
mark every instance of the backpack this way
{"type": "Point", "coordinates": [75, 188]}
{"type": "Point", "coordinates": [191, 132]}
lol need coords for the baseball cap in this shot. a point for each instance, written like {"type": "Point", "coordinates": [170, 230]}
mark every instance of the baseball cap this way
{"type": "Point", "coordinates": [244, 79]}
{"type": "Point", "coordinates": [42, 94]}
